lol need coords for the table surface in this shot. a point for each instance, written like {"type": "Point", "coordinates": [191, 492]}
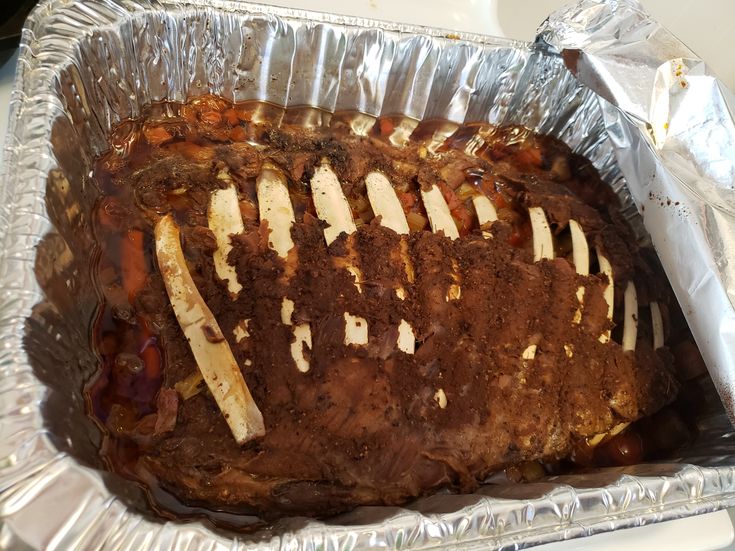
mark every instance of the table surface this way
{"type": "Point", "coordinates": [701, 25]}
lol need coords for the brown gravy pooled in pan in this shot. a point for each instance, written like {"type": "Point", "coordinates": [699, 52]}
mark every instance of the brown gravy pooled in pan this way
{"type": "Point", "coordinates": [366, 424]}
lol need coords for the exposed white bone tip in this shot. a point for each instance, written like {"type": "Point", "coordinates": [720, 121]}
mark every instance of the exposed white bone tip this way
{"type": "Point", "coordinates": [543, 244]}
{"type": "Point", "coordinates": [301, 333]}
{"type": "Point", "coordinates": [224, 219]}
{"type": "Point", "coordinates": [287, 308]}
{"type": "Point", "coordinates": [356, 330]}
{"type": "Point", "coordinates": [274, 206]}
{"type": "Point", "coordinates": [438, 212]}
{"type": "Point", "coordinates": [580, 249]}
{"type": "Point", "coordinates": [578, 312]}
{"type": "Point", "coordinates": [331, 204]}
{"type": "Point", "coordinates": [455, 291]}
{"type": "Point", "coordinates": [486, 213]}
{"type": "Point", "coordinates": [630, 317]}
{"type": "Point", "coordinates": [406, 338]}
{"type": "Point", "coordinates": [617, 429]}
{"type": "Point", "coordinates": [608, 293]}
{"type": "Point", "coordinates": [241, 331]}
{"type": "Point", "coordinates": [530, 352]}
{"type": "Point", "coordinates": [302, 336]}
{"type": "Point", "coordinates": [385, 203]}
{"type": "Point", "coordinates": [441, 398]}
{"type": "Point", "coordinates": [658, 326]}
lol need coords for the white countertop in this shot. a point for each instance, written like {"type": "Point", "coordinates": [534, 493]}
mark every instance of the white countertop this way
{"type": "Point", "coordinates": [702, 25]}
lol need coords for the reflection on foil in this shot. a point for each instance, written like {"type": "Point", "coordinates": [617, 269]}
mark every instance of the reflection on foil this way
{"type": "Point", "coordinates": [87, 64]}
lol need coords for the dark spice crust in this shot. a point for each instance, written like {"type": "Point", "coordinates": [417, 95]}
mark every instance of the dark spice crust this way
{"type": "Point", "coordinates": [363, 426]}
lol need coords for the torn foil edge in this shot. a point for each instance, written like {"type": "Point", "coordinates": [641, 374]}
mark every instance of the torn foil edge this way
{"type": "Point", "coordinates": [78, 510]}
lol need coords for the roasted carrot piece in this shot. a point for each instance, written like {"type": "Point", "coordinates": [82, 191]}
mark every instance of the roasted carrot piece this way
{"type": "Point", "coordinates": [450, 196]}
{"type": "Point", "coordinates": [386, 127]}
{"type": "Point", "coordinates": [530, 156]}
{"type": "Point", "coordinates": [134, 274]}
{"type": "Point", "coordinates": [105, 216]}
{"type": "Point", "coordinates": [157, 135]}
{"type": "Point", "coordinates": [232, 117]}
{"type": "Point", "coordinates": [499, 201]}
{"type": "Point", "coordinates": [463, 217]}
{"type": "Point", "coordinates": [210, 117]}
{"type": "Point", "coordinates": [238, 134]}
{"type": "Point", "coordinates": [407, 199]}
{"type": "Point", "coordinates": [133, 267]}
{"type": "Point", "coordinates": [193, 152]}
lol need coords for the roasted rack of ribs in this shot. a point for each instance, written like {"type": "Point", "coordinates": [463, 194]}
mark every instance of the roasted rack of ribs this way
{"type": "Point", "coordinates": [303, 320]}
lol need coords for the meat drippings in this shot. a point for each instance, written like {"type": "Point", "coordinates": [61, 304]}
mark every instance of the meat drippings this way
{"type": "Point", "coordinates": [363, 425]}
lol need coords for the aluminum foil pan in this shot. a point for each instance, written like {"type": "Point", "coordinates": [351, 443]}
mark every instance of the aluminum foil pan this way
{"type": "Point", "coordinates": [86, 64]}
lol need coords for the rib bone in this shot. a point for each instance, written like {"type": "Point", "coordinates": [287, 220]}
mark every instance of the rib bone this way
{"type": "Point", "coordinates": [596, 439]}
{"type": "Point", "coordinates": [224, 219]}
{"type": "Point", "coordinates": [241, 331]}
{"type": "Point", "coordinates": [630, 334]}
{"type": "Point", "coordinates": [441, 219]}
{"type": "Point", "coordinates": [658, 326]}
{"type": "Point", "coordinates": [274, 205]}
{"type": "Point", "coordinates": [529, 353]}
{"type": "Point", "coordinates": [630, 318]}
{"type": "Point", "coordinates": [331, 206]}
{"type": "Point", "coordinates": [406, 341]}
{"type": "Point", "coordinates": [543, 247]}
{"type": "Point", "coordinates": [438, 212]}
{"type": "Point", "coordinates": [581, 259]}
{"type": "Point", "coordinates": [486, 213]}
{"type": "Point", "coordinates": [441, 398]}
{"type": "Point", "coordinates": [580, 250]}
{"type": "Point", "coordinates": [356, 330]}
{"type": "Point", "coordinates": [609, 293]}
{"type": "Point", "coordinates": [543, 244]}
{"type": "Point", "coordinates": [211, 351]}
{"type": "Point", "coordinates": [385, 204]}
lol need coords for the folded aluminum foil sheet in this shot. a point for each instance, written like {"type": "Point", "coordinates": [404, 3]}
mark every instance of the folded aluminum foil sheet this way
{"type": "Point", "coordinates": [86, 64]}
{"type": "Point", "coordinates": [671, 123]}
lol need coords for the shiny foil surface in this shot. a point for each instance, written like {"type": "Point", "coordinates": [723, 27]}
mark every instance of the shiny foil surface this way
{"type": "Point", "coordinates": [87, 64]}
{"type": "Point", "coordinates": [670, 121]}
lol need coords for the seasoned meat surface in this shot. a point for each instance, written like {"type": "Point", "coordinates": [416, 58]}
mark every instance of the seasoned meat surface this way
{"type": "Point", "coordinates": [367, 424]}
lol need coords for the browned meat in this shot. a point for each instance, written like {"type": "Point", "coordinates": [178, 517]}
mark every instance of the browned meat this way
{"type": "Point", "coordinates": [369, 425]}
